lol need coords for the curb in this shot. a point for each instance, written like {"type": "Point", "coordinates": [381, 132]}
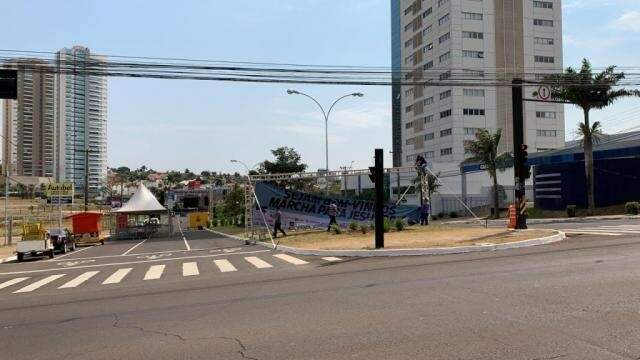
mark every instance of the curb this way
{"type": "Point", "coordinates": [10, 258]}
{"type": "Point", "coordinates": [552, 220]}
{"type": "Point", "coordinates": [559, 236]}
{"type": "Point", "coordinates": [234, 237]}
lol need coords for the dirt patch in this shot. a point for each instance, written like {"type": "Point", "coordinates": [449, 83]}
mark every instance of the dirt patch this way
{"type": "Point", "coordinates": [7, 250]}
{"type": "Point", "coordinates": [413, 237]}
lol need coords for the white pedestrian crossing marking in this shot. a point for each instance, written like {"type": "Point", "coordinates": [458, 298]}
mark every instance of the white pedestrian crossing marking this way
{"type": "Point", "coordinates": [154, 272]}
{"type": "Point", "coordinates": [12, 282]}
{"type": "Point", "coordinates": [40, 283]}
{"type": "Point", "coordinates": [331, 258]}
{"type": "Point", "coordinates": [290, 259]}
{"type": "Point", "coordinates": [224, 265]}
{"type": "Point", "coordinates": [190, 269]}
{"type": "Point", "coordinates": [79, 280]}
{"type": "Point", "coordinates": [257, 262]}
{"type": "Point", "coordinates": [117, 276]}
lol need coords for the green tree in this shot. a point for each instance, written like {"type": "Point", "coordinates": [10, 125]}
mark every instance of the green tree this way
{"type": "Point", "coordinates": [589, 91]}
{"type": "Point", "coordinates": [234, 202]}
{"type": "Point", "coordinates": [287, 160]}
{"type": "Point", "coordinates": [484, 149]}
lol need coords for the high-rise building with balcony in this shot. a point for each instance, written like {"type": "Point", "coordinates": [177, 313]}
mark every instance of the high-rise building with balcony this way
{"type": "Point", "coordinates": [457, 56]}
{"type": "Point", "coordinates": [29, 121]}
{"type": "Point", "coordinates": [82, 119]}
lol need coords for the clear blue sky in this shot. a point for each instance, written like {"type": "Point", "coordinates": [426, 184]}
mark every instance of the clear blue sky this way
{"type": "Point", "coordinates": [172, 124]}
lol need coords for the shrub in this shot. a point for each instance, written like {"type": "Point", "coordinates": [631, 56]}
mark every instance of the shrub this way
{"type": "Point", "coordinates": [372, 225]}
{"type": "Point", "coordinates": [399, 224]}
{"type": "Point", "coordinates": [335, 228]}
{"type": "Point", "coordinates": [364, 228]}
{"type": "Point", "coordinates": [453, 214]}
{"type": "Point", "coordinates": [632, 208]}
{"type": "Point", "coordinates": [571, 211]}
{"type": "Point", "coordinates": [441, 215]}
{"type": "Point", "coordinates": [353, 226]}
{"type": "Point", "coordinates": [386, 225]}
{"type": "Point", "coordinates": [209, 223]}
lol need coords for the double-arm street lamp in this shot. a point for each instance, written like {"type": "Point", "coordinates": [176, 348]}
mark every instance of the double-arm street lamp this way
{"type": "Point", "coordinates": [326, 118]}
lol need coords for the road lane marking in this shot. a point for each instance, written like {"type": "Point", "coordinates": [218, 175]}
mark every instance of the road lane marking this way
{"type": "Point", "coordinates": [134, 246]}
{"type": "Point", "coordinates": [71, 253]}
{"type": "Point", "coordinates": [590, 232]}
{"type": "Point", "coordinates": [154, 272]}
{"type": "Point", "coordinates": [148, 253]}
{"type": "Point", "coordinates": [117, 276]}
{"type": "Point", "coordinates": [184, 238]}
{"type": "Point", "coordinates": [331, 258]}
{"type": "Point", "coordinates": [79, 280]}
{"type": "Point", "coordinates": [224, 265]}
{"type": "Point", "coordinates": [12, 282]}
{"type": "Point", "coordinates": [133, 262]}
{"type": "Point", "coordinates": [257, 262]}
{"type": "Point", "coordinates": [40, 283]}
{"type": "Point", "coordinates": [290, 259]}
{"type": "Point", "coordinates": [190, 269]}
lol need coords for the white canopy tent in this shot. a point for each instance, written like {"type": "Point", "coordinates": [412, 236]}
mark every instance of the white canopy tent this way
{"type": "Point", "coordinates": [143, 202]}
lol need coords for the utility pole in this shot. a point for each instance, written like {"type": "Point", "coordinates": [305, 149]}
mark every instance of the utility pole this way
{"type": "Point", "coordinates": [86, 180]}
{"type": "Point", "coordinates": [519, 152]}
{"type": "Point", "coordinates": [377, 176]}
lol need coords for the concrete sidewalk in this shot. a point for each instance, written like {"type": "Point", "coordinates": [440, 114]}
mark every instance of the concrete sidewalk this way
{"type": "Point", "coordinates": [548, 220]}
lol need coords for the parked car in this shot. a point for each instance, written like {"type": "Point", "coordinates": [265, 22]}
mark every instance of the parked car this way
{"type": "Point", "coordinates": [61, 239]}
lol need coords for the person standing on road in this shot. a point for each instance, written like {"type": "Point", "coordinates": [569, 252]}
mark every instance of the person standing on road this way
{"type": "Point", "coordinates": [332, 212]}
{"type": "Point", "coordinates": [278, 224]}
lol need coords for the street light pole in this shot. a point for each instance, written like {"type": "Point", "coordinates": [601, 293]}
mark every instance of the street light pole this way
{"type": "Point", "coordinates": [326, 118]}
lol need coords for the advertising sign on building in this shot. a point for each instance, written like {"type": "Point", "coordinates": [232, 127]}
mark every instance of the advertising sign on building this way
{"type": "Point", "coordinates": [59, 193]}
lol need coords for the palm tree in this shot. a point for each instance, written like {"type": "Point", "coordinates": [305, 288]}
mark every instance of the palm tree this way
{"type": "Point", "coordinates": [484, 149]}
{"type": "Point", "coordinates": [589, 91]}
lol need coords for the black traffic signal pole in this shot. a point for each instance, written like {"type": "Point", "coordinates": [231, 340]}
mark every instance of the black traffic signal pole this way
{"type": "Point", "coordinates": [519, 151]}
{"type": "Point", "coordinates": [378, 175]}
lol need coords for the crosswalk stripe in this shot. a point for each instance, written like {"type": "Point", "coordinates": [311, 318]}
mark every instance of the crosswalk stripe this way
{"type": "Point", "coordinates": [117, 276]}
{"type": "Point", "coordinates": [257, 262]}
{"type": "Point", "coordinates": [40, 283]}
{"type": "Point", "coordinates": [224, 265]}
{"type": "Point", "coordinates": [190, 269]}
{"type": "Point", "coordinates": [154, 272]}
{"type": "Point", "coordinates": [331, 258]}
{"type": "Point", "coordinates": [290, 259]}
{"type": "Point", "coordinates": [12, 282]}
{"type": "Point", "coordinates": [79, 280]}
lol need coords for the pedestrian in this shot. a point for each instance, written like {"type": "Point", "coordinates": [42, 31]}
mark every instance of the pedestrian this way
{"type": "Point", "coordinates": [332, 212]}
{"type": "Point", "coordinates": [425, 209]}
{"type": "Point", "coordinates": [278, 224]}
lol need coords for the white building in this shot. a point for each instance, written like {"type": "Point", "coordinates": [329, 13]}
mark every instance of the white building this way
{"type": "Point", "coordinates": [475, 42]}
{"type": "Point", "coordinates": [82, 119]}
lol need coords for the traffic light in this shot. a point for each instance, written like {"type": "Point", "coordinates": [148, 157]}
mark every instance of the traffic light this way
{"type": "Point", "coordinates": [524, 158]}
{"type": "Point", "coordinates": [372, 174]}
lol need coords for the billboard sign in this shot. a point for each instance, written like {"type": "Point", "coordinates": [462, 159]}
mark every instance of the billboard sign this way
{"type": "Point", "coordinates": [59, 193]}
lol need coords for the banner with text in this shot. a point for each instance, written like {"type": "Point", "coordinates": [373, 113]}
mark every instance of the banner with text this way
{"type": "Point", "coordinates": [310, 210]}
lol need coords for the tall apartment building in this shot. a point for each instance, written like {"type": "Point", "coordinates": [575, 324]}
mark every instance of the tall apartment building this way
{"type": "Point", "coordinates": [82, 119]}
{"type": "Point", "coordinates": [29, 121]}
{"type": "Point", "coordinates": [451, 49]}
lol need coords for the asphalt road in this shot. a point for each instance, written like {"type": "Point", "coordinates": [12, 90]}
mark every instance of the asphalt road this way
{"type": "Point", "coordinates": [576, 299]}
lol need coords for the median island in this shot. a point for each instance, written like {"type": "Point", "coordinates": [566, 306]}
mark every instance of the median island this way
{"type": "Point", "coordinates": [411, 237]}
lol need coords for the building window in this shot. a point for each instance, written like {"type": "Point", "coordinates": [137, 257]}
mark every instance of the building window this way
{"type": "Point", "coordinates": [408, 9]}
{"type": "Point", "coordinates": [542, 22]}
{"type": "Point", "coordinates": [472, 35]}
{"type": "Point", "coordinates": [445, 94]}
{"type": "Point", "coordinates": [465, 145]}
{"type": "Point", "coordinates": [408, 125]}
{"type": "Point", "coordinates": [442, 2]}
{"type": "Point", "coordinates": [445, 75]}
{"type": "Point", "coordinates": [447, 151]}
{"type": "Point", "coordinates": [473, 92]}
{"type": "Point", "coordinates": [428, 101]}
{"type": "Point", "coordinates": [473, 73]}
{"type": "Point", "coordinates": [544, 59]}
{"type": "Point", "coordinates": [408, 43]}
{"type": "Point", "coordinates": [428, 136]}
{"type": "Point", "coordinates": [411, 158]}
{"type": "Point", "coordinates": [471, 16]}
{"type": "Point", "coordinates": [543, 41]}
{"type": "Point", "coordinates": [427, 30]}
{"type": "Point", "coordinates": [543, 4]}
{"type": "Point", "coordinates": [546, 114]}
{"type": "Point", "coordinates": [443, 20]}
{"type": "Point", "coordinates": [408, 92]}
{"type": "Point", "coordinates": [446, 56]}
{"type": "Point", "coordinates": [470, 131]}
{"type": "Point", "coordinates": [427, 47]}
{"type": "Point", "coordinates": [428, 154]}
{"type": "Point", "coordinates": [427, 12]}
{"type": "Point", "coordinates": [410, 141]}
{"type": "Point", "coordinates": [428, 65]}
{"type": "Point", "coordinates": [428, 119]}
{"type": "Point", "coordinates": [473, 54]}
{"type": "Point", "coordinates": [446, 132]}
{"type": "Point", "coordinates": [408, 26]}
{"type": "Point", "coordinates": [473, 112]}
{"type": "Point", "coordinates": [444, 38]}
{"type": "Point", "coordinates": [547, 133]}
{"type": "Point", "coordinates": [444, 114]}
{"type": "Point", "coordinates": [408, 108]}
